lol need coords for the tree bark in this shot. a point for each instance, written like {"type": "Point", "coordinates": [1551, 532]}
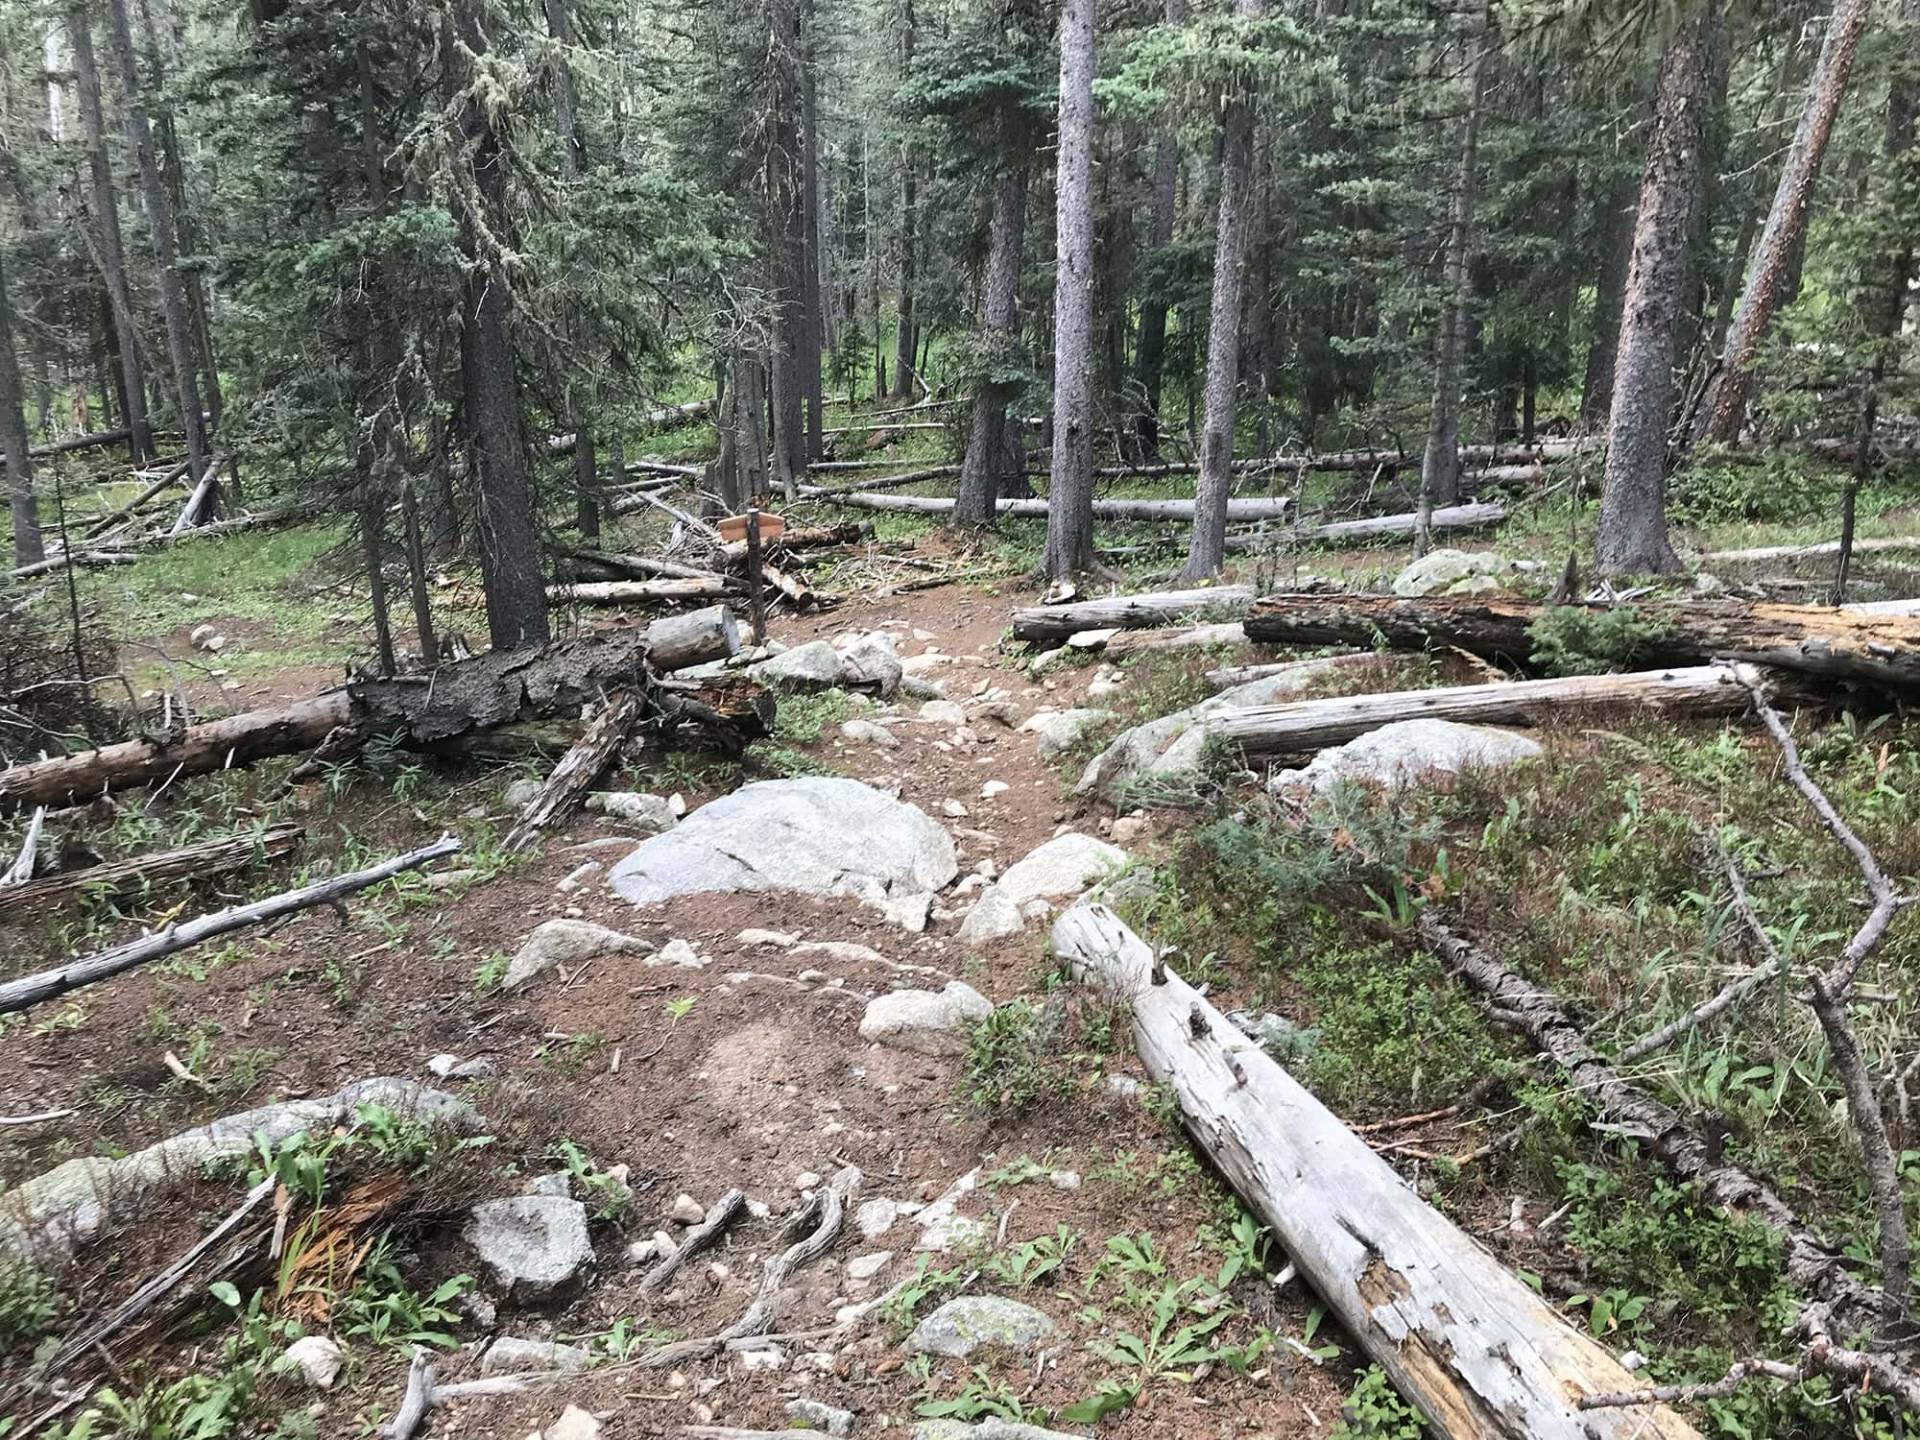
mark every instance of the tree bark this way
{"type": "Point", "coordinates": [568, 782]}
{"type": "Point", "coordinates": [107, 237]}
{"type": "Point", "coordinates": [1481, 1355]}
{"type": "Point", "coordinates": [1207, 546]}
{"type": "Point", "coordinates": [786, 247]}
{"type": "Point", "coordinates": [182, 352]}
{"type": "Point", "coordinates": [1615, 228]}
{"type": "Point", "coordinates": [142, 872]}
{"type": "Point", "coordinates": [904, 337]}
{"type": "Point", "coordinates": [28, 548]}
{"type": "Point", "coordinates": [1070, 490]}
{"type": "Point", "coordinates": [1772, 265]}
{"type": "Point", "coordinates": [982, 472]}
{"type": "Point", "coordinates": [813, 331]}
{"type": "Point", "coordinates": [1150, 347]}
{"type": "Point", "coordinates": [490, 388]}
{"type": "Point", "coordinates": [573, 165]}
{"type": "Point", "coordinates": [1632, 533]}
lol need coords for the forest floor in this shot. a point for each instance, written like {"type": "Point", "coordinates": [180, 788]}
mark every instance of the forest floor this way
{"type": "Point", "coordinates": [749, 1070]}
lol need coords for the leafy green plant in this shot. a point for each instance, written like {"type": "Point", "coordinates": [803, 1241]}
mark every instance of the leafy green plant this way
{"type": "Point", "coordinates": [1010, 1057]}
{"type": "Point", "coordinates": [981, 1397]}
{"type": "Point", "coordinates": [915, 1290]}
{"type": "Point", "coordinates": [30, 1301]}
{"type": "Point", "coordinates": [612, 1197]}
{"type": "Point", "coordinates": [1375, 1411]}
{"type": "Point", "coordinates": [1175, 1343]}
{"type": "Point", "coordinates": [1573, 640]}
{"type": "Point", "coordinates": [802, 717]}
{"type": "Point", "coordinates": [382, 1309]}
{"type": "Point", "coordinates": [1031, 1261]}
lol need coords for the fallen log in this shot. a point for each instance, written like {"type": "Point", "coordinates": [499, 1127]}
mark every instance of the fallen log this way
{"type": "Point", "coordinates": [197, 501]}
{"type": "Point", "coordinates": [210, 857]}
{"type": "Point", "coordinates": [1270, 508]}
{"type": "Point", "coordinates": [1760, 553]}
{"type": "Point", "coordinates": [887, 482]}
{"type": "Point", "coordinates": [627, 503]}
{"type": "Point", "coordinates": [1376, 527]}
{"type": "Point", "coordinates": [21, 870]}
{"type": "Point", "coordinates": [85, 560]}
{"type": "Point", "coordinates": [1462, 1338]}
{"type": "Point", "coordinates": [642, 565]}
{"type": "Point", "coordinates": [51, 984]}
{"type": "Point", "coordinates": [567, 785]}
{"type": "Point", "coordinates": [93, 440]}
{"type": "Point", "coordinates": [802, 537]}
{"type": "Point", "coordinates": [1301, 726]}
{"type": "Point", "coordinates": [642, 592]}
{"type": "Point", "coordinates": [1126, 612]}
{"type": "Point", "coordinates": [1814, 1268]}
{"type": "Point", "coordinates": [498, 688]}
{"type": "Point", "coordinates": [169, 477]}
{"type": "Point", "coordinates": [1195, 637]}
{"type": "Point", "coordinates": [1810, 639]}
{"type": "Point", "coordinates": [664, 417]}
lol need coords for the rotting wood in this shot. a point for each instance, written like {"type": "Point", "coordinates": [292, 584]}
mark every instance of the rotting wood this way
{"type": "Point", "coordinates": [170, 476]}
{"type": "Point", "coordinates": [722, 1213]}
{"type": "Point", "coordinates": [36, 989]}
{"type": "Point", "coordinates": [1819, 549]}
{"type": "Point", "coordinates": [1227, 676]}
{"type": "Point", "coordinates": [643, 565]}
{"type": "Point", "coordinates": [190, 862]}
{"type": "Point", "coordinates": [1053, 623]}
{"type": "Point", "coordinates": [1461, 1337]}
{"type": "Point", "coordinates": [84, 560]}
{"type": "Point", "coordinates": [20, 872]}
{"type": "Point", "coordinates": [802, 537]}
{"type": "Point", "coordinates": [1195, 637]}
{"type": "Point", "coordinates": [643, 592]}
{"type": "Point", "coordinates": [1813, 639]}
{"type": "Point", "coordinates": [567, 784]}
{"type": "Point", "coordinates": [417, 1400]}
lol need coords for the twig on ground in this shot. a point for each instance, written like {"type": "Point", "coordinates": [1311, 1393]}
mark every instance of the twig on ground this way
{"type": "Point", "coordinates": [1737, 1375]}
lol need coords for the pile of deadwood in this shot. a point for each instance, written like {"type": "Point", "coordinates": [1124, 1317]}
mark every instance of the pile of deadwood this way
{"type": "Point", "coordinates": [1463, 1338]}
{"type": "Point", "coordinates": [626, 678]}
{"type": "Point", "coordinates": [713, 568]}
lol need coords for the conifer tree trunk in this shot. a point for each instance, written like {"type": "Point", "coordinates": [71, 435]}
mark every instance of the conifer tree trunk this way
{"type": "Point", "coordinates": [1150, 349]}
{"type": "Point", "coordinates": [490, 389]}
{"type": "Point", "coordinates": [1070, 490]}
{"type": "Point", "coordinates": [983, 471]}
{"type": "Point", "coordinates": [27, 545]}
{"type": "Point", "coordinates": [787, 248]}
{"type": "Point", "coordinates": [1631, 536]}
{"type": "Point", "coordinates": [1440, 465]}
{"type": "Point", "coordinates": [1770, 274]}
{"type": "Point", "coordinates": [573, 165]}
{"type": "Point", "coordinates": [107, 237]}
{"type": "Point", "coordinates": [1616, 238]}
{"type": "Point", "coordinates": [1207, 546]}
{"type": "Point", "coordinates": [904, 340]}
{"type": "Point", "coordinates": [813, 332]}
{"type": "Point", "coordinates": [182, 353]}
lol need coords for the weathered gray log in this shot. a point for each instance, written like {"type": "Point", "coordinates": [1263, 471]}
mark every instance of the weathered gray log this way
{"type": "Point", "coordinates": [1227, 676]}
{"type": "Point", "coordinates": [190, 862]}
{"type": "Point", "coordinates": [1126, 612]}
{"type": "Point", "coordinates": [643, 565]}
{"type": "Point", "coordinates": [190, 512]}
{"type": "Point", "coordinates": [168, 477]}
{"type": "Point", "coordinates": [1813, 639]}
{"type": "Point", "coordinates": [1301, 726]}
{"type": "Point", "coordinates": [1257, 508]}
{"type": "Point", "coordinates": [693, 637]}
{"type": "Point", "coordinates": [1474, 516]}
{"type": "Point", "coordinates": [1815, 551]}
{"type": "Point", "coordinates": [1194, 637]}
{"type": "Point", "coordinates": [93, 440]}
{"type": "Point", "coordinates": [888, 482]}
{"type": "Point", "coordinates": [568, 782]}
{"type": "Point", "coordinates": [84, 560]}
{"type": "Point", "coordinates": [51, 984]}
{"type": "Point", "coordinates": [642, 592]}
{"type": "Point", "coordinates": [1461, 1337]}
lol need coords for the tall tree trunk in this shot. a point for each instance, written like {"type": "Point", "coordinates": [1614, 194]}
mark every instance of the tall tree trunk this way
{"type": "Point", "coordinates": [1771, 118]}
{"type": "Point", "coordinates": [1632, 533]}
{"type": "Point", "coordinates": [983, 471]}
{"type": "Point", "coordinates": [1615, 229]}
{"type": "Point", "coordinates": [1150, 349]}
{"type": "Point", "coordinates": [182, 352]}
{"type": "Point", "coordinates": [1440, 465]}
{"type": "Point", "coordinates": [490, 389]}
{"type": "Point", "coordinates": [1207, 546]}
{"type": "Point", "coordinates": [1770, 273]}
{"type": "Point", "coordinates": [27, 545]}
{"type": "Point", "coordinates": [813, 331]}
{"type": "Point", "coordinates": [107, 238]}
{"type": "Point", "coordinates": [787, 247]}
{"type": "Point", "coordinates": [903, 345]}
{"type": "Point", "coordinates": [374, 424]}
{"type": "Point", "coordinates": [573, 164]}
{"type": "Point", "coordinates": [1070, 490]}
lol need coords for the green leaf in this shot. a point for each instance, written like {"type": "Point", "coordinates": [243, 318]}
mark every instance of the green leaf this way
{"type": "Point", "coordinates": [1109, 1399]}
{"type": "Point", "coordinates": [226, 1292]}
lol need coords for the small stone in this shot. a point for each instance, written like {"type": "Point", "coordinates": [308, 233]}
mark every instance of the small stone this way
{"type": "Point", "coordinates": [578, 876]}
{"type": "Point", "coordinates": [573, 1424]}
{"type": "Point", "coordinates": [452, 1067]}
{"type": "Point", "coordinates": [828, 1418]}
{"type": "Point", "coordinates": [316, 1358]}
{"type": "Point", "coordinates": [677, 805]}
{"type": "Point", "coordinates": [650, 814]}
{"type": "Point", "coordinates": [664, 1245]}
{"type": "Point", "coordinates": [870, 662]}
{"type": "Point", "coordinates": [511, 1353]}
{"type": "Point", "coordinates": [953, 809]}
{"type": "Point", "coordinates": [1060, 730]}
{"type": "Point", "coordinates": [759, 1210]}
{"type": "Point", "coordinates": [994, 917]}
{"type": "Point", "coordinates": [763, 1358]}
{"type": "Point", "coordinates": [865, 1267]}
{"type": "Point", "coordinates": [813, 666]}
{"type": "Point", "coordinates": [972, 1322]}
{"type": "Point", "coordinates": [942, 712]}
{"type": "Point", "coordinates": [679, 952]}
{"type": "Point", "coordinates": [993, 788]}
{"type": "Point", "coordinates": [531, 1244]}
{"type": "Point", "coordinates": [718, 1273]}
{"type": "Point", "coordinates": [925, 637]}
{"type": "Point", "coordinates": [876, 1217]}
{"type": "Point", "coordinates": [566, 942]}
{"type": "Point", "coordinates": [1091, 639]}
{"type": "Point", "coordinates": [1064, 1179]}
{"type": "Point", "coordinates": [1061, 868]}
{"type": "Point", "coordinates": [640, 1252]}
{"type": "Point", "coordinates": [868, 732]}
{"type": "Point", "coordinates": [686, 1210]}
{"type": "Point", "coordinates": [778, 939]}
{"type": "Point", "coordinates": [806, 1180]}
{"type": "Point", "coordinates": [1123, 1087]}
{"type": "Point", "coordinates": [924, 1021]}
{"type": "Point", "coordinates": [555, 1182]}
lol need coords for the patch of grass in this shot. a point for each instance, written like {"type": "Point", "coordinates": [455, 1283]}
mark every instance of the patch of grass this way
{"type": "Point", "coordinates": [1375, 1411]}
{"type": "Point", "coordinates": [803, 717]}
{"type": "Point", "coordinates": [30, 1303]}
{"type": "Point", "coordinates": [1025, 1053]}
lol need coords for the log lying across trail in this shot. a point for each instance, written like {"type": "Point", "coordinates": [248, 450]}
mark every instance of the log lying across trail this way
{"type": "Point", "coordinates": [51, 984]}
{"type": "Point", "coordinates": [497, 688]}
{"type": "Point", "coordinates": [1463, 1338]}
{"type": "Point", "coordinates": [190, 862]}
{"type": "Point", "coordinates": [1811, 639]}
{"type": "Point", "coordinates": [1127, 612]}
{"type": "Point", "coordinates": [1301, 726]}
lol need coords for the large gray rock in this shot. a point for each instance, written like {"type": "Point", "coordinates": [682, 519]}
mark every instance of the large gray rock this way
{"type": "Point", "coordinates": [531, 1245]}
{"type": "Point", "coordinates": [928, 1022]}
{"type": "Point", "coordinates": [869, 662]}
{"type": "Point", "coordinates": [1409, 752]}
{"type": "Point", "coordinates": [1061, 730]}
{"type": "Point", "coordinates": [820, 835]}
{"type": "Point", "coordinates": [566, 942]}
{"type": "Point", "coordinates": [972, 1322]}
{"type": "Point", "coordinates": [1439, 570]}
{"type": "Point", "coordinates": [46, 1215]}
{"type": "Point", "coordinates": [1064, 866]}
{"type": "Point", "coordinates": [813, 666]}
{"type": "Point", "coordinates": [513, 1353]}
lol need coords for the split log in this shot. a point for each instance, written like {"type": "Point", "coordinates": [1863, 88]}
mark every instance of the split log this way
{"type": "Point", "coordinates": [660, 468]}
{"type": "Point", "coordinates": [1195, 637]}
{"type": "Point", "coordinates": [1301, 726]}
{"type": "Point", "coordinates": [1376, 527]}
{"type": "Point", "coordinates": [567, 785]}
{"type": "Point", "coordinates": [1810, 639]}
{"type": "Point", "coordinates": [1814, 1268]}
{"type": "Point", "coordinates": [1269, 508]}
{"type": "Point", "coordinates": [21, 870]}
{"type": "Point", "coordinates": [802, 537]}
{"type": "Point", "coordinates": [1461, 1337]}
{"type": "Point", "coordinates": [796, 591]}
{"type": "Point", "coordinates": [190, 862]}
{"type": "Point", "coordinates": [1228, 676]}
{"type": "Point", "coordinates": [642, 592]}
{"type": "Point", "coordinates": [1125, 612]}
{"type": "Point", "coordinates": [501, 687]}
{"type": "Point", "coordinates": [32, 990]}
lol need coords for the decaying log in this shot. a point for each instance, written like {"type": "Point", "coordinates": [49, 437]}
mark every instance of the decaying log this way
{"type": "Point", "coordinates": [1126, 612]}
{"type": "Point", "coordinates": [92, 440]}
{"type": "Point", "coordinates": [169, 476]}
{"type": "Point", "coordinates": [20, 872]}
{"type": "Point", "coordinates": [643, 592]}
{"type": "Point", "coordinates": [643, 565]}
{"type": "Point", "coordinates": [51, 984]}
{"type": "Point", "coordinates": [1300, 726]}
{"type": "Point", "coordinates": [1461, 1337]}
{"type": "Point", "coordinates": [191, 512]}
{"type": "Point", "coordinates": [1272, 508]}
{"type": "Point", "coordinates": [1376, 527]}
{"type": "Point", "coordinates": [885, 482]}
{"type": "Point", "coordinates": [802, 537]}
{"type": "Point", "coordinates": [1813, 639]}
{"type": "Point", "coordinates": [497, 688]}
{"type": "Point", "coordinates": [1813, 1267]}
{"type": "Point", "coordinates": [209, 857]}
{"type": "Point", "coordinates": [567, 785]}
{"type": "Point", "coordinates": [1227, 676]}
{"type": "Point", "coordinates": [84, 560]}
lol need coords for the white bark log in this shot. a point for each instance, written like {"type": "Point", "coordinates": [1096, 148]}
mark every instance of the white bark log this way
{"type": "Point", "coordinates": [1126, 612]}
{"type": "Point", "coordinates": [1274, 508]}
{"type": "Point", "coordinates": [1374, 527]}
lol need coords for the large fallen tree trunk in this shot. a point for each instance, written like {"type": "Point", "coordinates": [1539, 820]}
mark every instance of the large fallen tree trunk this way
{"type": "Point", "coordinates": [802, 537]}
{"type": "Point", "coordinates": [643, 592]}
{"type": "Point", "coordinates": [1274, 508]}
{"type": "Point", "coordinates": [1814, 1268]}
{"type": "Point", "coordinates": [168, 477]}
{"type": "Point", "coordinates": [1813, 639]}
{"type": "Point", "coordinates": [886, 482]}
{"type": "Point", "coordinates": [1461, 1337]}
{"type": "Point", "coordinates": [498, 688]}
{"type": "Point", "coordinates": [1375, 527]}
{"type": "Point", "coordinates": [1127, 612]}
{"type": "Point", "coordinates": [51, 984]}
{"type": "Point", "coordinates": [93, 440]}
{"type": "Point", "coordinates": [1811, 552]}
{"type": "Point", "coordinates": [1301, 726]}
{"type": "Point", "coordinates": [190, 862]}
